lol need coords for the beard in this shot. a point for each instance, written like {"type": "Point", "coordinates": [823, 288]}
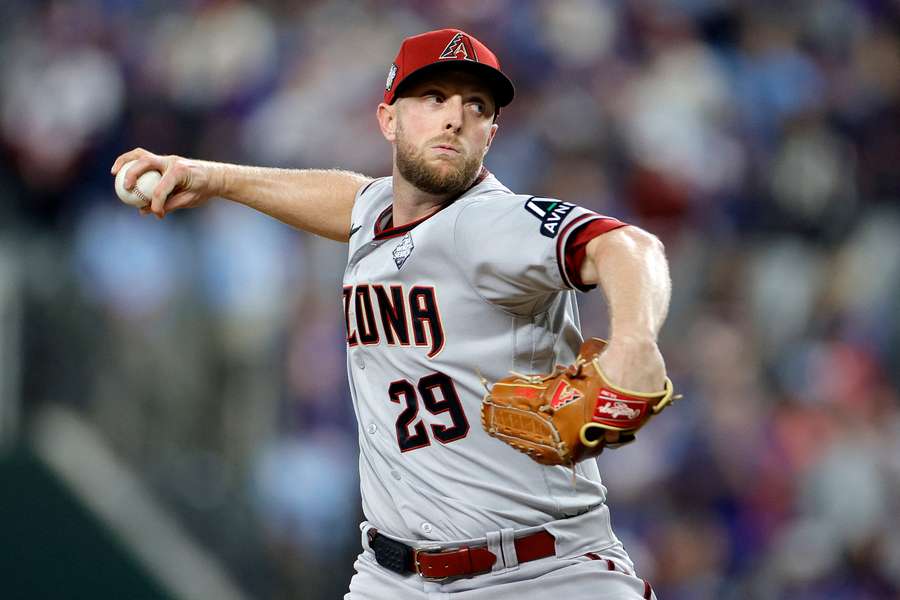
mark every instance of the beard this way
{"type": "Point", "coordinates": [446, 179]}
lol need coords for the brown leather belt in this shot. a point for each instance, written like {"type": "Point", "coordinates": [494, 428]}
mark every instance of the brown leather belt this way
{"type": "Point", "coordinates": [461, 561]}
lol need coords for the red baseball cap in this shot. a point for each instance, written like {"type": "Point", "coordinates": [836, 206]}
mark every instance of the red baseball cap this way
{"type": "Point", "coordinates": [431, 50]}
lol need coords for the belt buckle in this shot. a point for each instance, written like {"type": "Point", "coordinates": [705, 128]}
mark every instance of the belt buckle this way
{"type": "Point", "coordinates": [417, 551]}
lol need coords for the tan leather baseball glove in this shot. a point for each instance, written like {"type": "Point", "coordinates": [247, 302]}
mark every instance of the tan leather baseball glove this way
{"type": "Point", "coordinates": [562, 417]}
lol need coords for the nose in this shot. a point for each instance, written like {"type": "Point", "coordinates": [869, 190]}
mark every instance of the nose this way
{"type": "Point", "coordinates": [453, 113]}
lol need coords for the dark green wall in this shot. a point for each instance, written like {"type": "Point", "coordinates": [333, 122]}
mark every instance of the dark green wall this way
{"type": "Point", "coordinates": [52, 547]}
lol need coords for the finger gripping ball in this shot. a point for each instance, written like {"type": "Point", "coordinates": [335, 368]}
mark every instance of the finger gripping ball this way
{"type": "Point", "coordinates": [140, 195]}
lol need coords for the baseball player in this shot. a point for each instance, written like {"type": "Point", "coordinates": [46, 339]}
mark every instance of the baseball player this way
{"type": "Point", "coordinates": [453, 280]}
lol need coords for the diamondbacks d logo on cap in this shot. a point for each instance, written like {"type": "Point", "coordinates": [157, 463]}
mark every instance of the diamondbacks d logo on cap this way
{"type": "Point", "coordinates": [459, 48]}
{"type": "Point", "coordinates": [390, 78]}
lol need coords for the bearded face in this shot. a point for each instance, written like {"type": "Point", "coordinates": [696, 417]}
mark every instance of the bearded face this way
{"type": "Point", "coordinates": [448, 174]}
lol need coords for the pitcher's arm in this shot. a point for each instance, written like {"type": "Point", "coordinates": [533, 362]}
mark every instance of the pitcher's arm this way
{"type": "Point", "coordinates": [630, 267]}
{"type": "Point", "coordinates": [315, 200]}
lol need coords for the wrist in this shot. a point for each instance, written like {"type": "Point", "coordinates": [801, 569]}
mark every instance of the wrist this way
{"type": "Point", "coordinates": [633, 339]}
{"type": "Point", "coordinates": [214, 178]}
{"type": "Point", "coordinates": [634, 362]}
{"type": "Point", "coordinates": [219, 180]}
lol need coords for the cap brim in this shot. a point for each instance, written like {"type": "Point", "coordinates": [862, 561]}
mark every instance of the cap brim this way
{"type": "Point", "coordinates": [500, 85]}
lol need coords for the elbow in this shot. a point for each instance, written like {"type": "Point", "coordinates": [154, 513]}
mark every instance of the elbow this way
{"type": "Point", "coordinates": [629, 242]}
{"type": "Point", "coordinates": [656, 243]}
{"type": "Point", "coordinates": [643, 240]}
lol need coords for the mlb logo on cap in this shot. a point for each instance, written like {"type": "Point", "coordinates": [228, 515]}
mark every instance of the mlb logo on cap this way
{"type": "Point", "coordinates": [429, 51]}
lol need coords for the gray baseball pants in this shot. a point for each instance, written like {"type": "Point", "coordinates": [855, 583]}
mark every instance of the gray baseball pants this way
{"type": "Point", "coordinates": [608, 575]}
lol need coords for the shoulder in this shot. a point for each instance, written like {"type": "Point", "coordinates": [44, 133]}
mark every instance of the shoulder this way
{"type": "Point", "coordinates": [546, 215]}
{"type": "Point", "coordinates": [371, 200]}
{"type": "Point", "coordinates": [374, 188]}
{"type": "Point", "coordinates": [490, 201]}
{"type": "Point", "coordinates": [488, 195]}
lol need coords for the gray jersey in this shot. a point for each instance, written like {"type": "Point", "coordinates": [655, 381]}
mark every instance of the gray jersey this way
{"type": "Point", "coordinates": [481, 284]}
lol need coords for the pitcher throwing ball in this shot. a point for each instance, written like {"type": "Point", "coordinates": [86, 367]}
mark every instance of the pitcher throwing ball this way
{"type": "Point", "coordinates": [478, 415]}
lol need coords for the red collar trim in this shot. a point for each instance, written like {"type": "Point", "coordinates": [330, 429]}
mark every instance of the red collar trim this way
{"type": "Point", "coordinates": [383, 232]}
{"type": "Point", "coordinates": [389, 232]}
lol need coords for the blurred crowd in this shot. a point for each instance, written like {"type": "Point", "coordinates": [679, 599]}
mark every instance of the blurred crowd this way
{"type": "Point", "coordinates": [760, 140]}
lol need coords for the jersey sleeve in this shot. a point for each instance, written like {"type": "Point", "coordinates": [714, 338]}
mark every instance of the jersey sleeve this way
{"type": "Point", "coordinates": [370, 200]}
{"type": "Point", "coordinates": [516, 251]}
{"type": "Point", "coordinates": [366, 196]}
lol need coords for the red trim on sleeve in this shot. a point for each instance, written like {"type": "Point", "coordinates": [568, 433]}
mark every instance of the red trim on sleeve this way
{"type": "Point", "coordinates": [576, 247]}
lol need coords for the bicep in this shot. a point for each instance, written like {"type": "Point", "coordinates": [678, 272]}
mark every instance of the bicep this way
{"type": "Point", "coordinates": [335, 214]}
{"type": "Point", "coordinates": [319, 201]}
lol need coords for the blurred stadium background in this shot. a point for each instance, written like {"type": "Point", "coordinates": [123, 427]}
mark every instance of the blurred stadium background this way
{"type": "Point", "coordinates": [174, 416]}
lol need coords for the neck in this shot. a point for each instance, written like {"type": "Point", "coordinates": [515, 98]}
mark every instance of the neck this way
{"type": "Point", "coordinates": [411, 203]}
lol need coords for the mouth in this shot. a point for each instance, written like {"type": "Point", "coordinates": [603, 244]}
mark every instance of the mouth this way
{"type": "Point", "coordinates": [446, 148]}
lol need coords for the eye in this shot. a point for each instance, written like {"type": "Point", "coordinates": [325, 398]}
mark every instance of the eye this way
{"type": "Point", "coordinates": [433, 97]}
{"type": "Point", "coordinates": [478, 106]}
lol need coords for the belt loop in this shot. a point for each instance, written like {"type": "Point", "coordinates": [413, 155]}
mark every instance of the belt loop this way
{"type": "Point", "coordinates": [508, 543]}
{"type": "Point", "coordinates": [365, 528]}
{"type": "Point", "coordinates": [494, 547]}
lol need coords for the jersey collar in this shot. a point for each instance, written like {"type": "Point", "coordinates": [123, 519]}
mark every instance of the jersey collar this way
{"type": "Point", "coordinates": [384, 228]}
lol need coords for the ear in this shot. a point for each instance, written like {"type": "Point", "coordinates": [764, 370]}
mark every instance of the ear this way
{"type": "Point", "coordinates": [490, 139]}
{"type": "Point", "coordinates": [387, 120]}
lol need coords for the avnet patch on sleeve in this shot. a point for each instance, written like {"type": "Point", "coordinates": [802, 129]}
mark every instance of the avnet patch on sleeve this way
{"type": "Point", "coordinates": [551, 214]}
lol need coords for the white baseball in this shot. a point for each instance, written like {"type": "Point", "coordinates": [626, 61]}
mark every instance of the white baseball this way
{"type": "Point", "coordinates": [142, 191]}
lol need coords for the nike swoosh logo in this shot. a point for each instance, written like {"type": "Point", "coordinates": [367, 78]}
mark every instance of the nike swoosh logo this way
{"type": "Point", "coordinates": [354, 229]}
